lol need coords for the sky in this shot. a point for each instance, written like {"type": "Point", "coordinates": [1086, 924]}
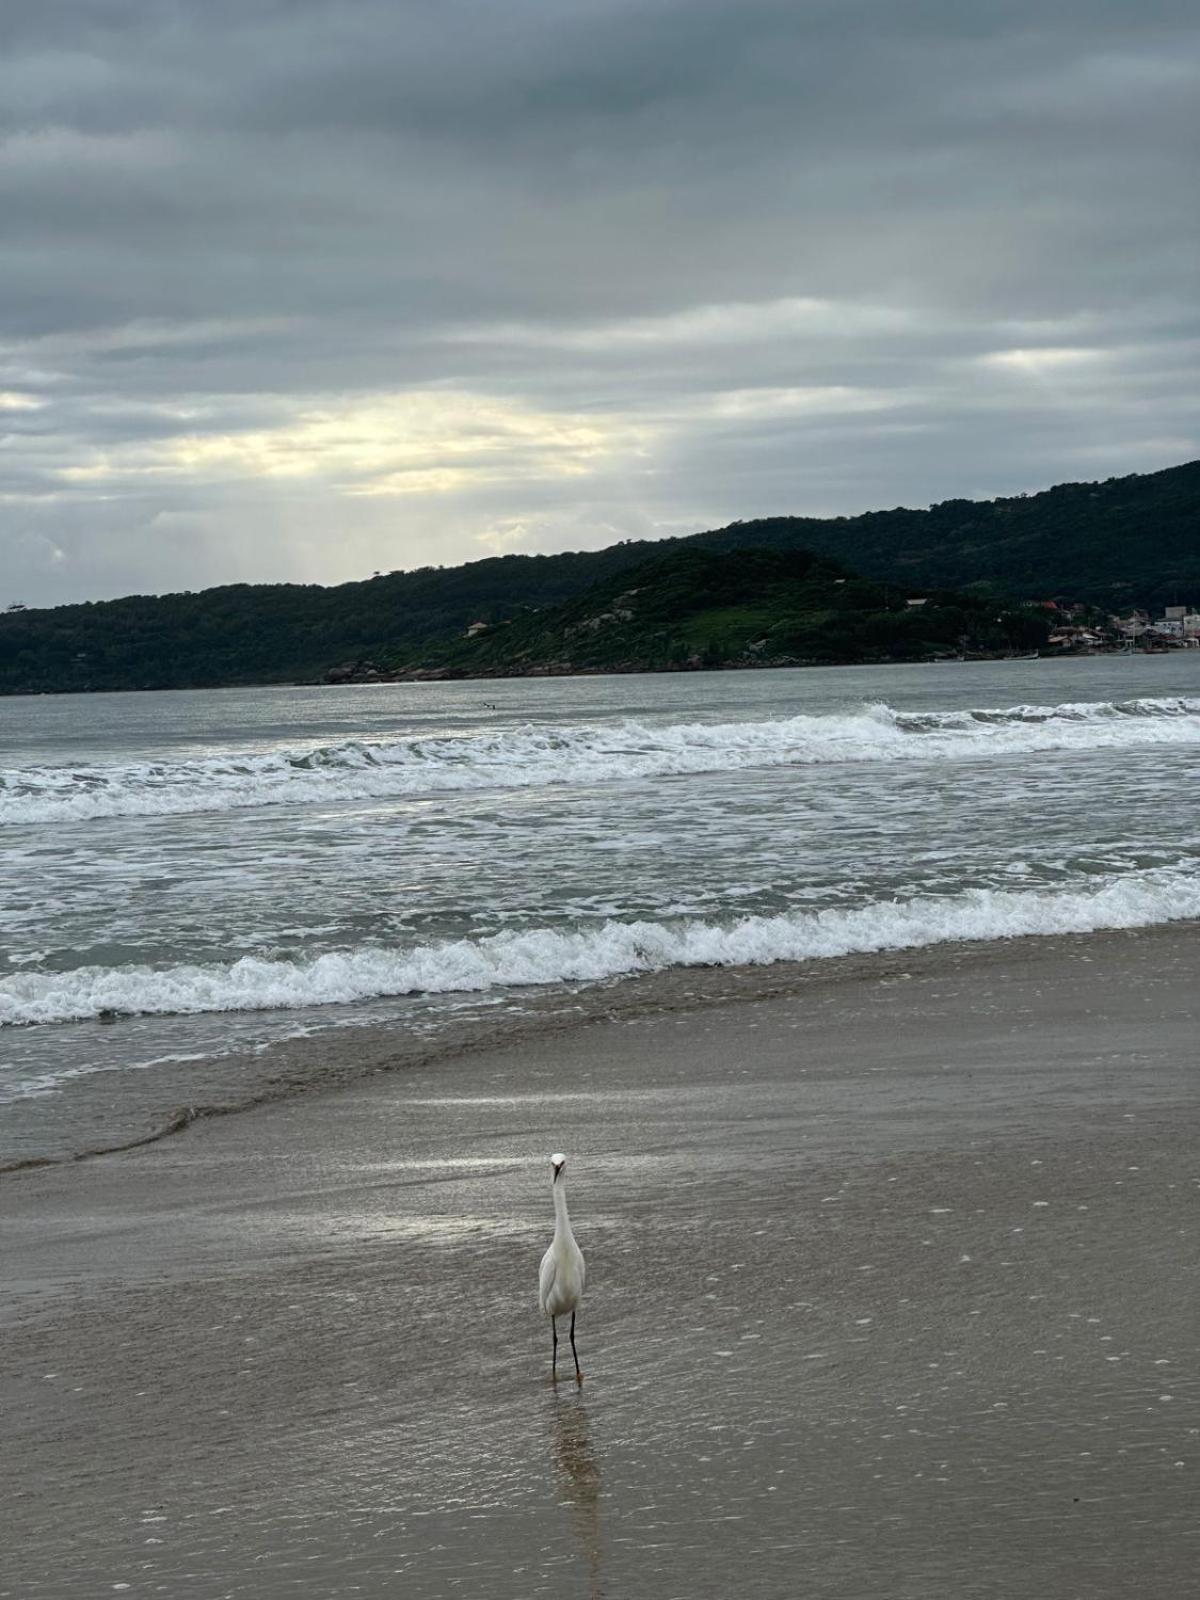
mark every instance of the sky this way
{"type": "Point", "coordinates": [306, 289]}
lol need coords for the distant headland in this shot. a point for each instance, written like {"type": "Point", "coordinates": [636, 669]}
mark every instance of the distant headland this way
{"type": "Point", "coordinates": [1082, 566]}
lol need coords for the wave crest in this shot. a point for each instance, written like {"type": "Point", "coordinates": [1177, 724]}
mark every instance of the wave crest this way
{"type": "Point", "coordinates": [542, 956]}
{"type": "Point", "coordinates": [535, 756]}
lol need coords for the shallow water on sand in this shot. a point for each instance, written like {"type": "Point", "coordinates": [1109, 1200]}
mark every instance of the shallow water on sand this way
{"type": "Point", "coordinates": [890, 1295]}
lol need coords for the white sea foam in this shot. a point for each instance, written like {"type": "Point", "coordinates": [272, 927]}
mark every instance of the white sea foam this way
{"type": "Point", "coordinates": [556, 955]}
{"type": "Point", "coordinates": [534, 756]}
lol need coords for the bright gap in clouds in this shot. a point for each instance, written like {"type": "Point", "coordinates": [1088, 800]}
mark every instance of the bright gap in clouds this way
{"type": "Point", "coordinates": [424, 443]}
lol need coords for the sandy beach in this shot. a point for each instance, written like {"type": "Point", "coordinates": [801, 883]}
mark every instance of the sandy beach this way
{"type": "Point", "coordinates": [892, 1292]}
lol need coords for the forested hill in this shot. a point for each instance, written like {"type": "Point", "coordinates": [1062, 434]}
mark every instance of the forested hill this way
{"type": "Point", "coordinates": [277, 632]}
{"type": "Point", "coordinates": [1133, 540]}
{"type": "Point", "coordinates": [694, 607]}
{"type": "Point", "coordinates": [1125, 542]}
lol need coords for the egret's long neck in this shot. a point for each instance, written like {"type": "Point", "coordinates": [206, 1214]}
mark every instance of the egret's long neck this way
{"type": "Point", "coordinates": [562, 1222]}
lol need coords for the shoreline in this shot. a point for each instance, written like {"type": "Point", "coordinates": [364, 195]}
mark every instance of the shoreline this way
{"type": "Point", "coordinates": [909, 1252]}
{"type": "Point", "coordinates": [434, 675]}
{"type": "Point", "coordinates": [384, 675]}
{"type": "Point", "coordinates": [340, 1056]}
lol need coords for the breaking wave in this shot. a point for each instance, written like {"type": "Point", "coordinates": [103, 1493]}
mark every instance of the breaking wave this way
{"type": "Point", "coordinates": [542, 956]}
{"type": "Point", "coordinates": [534, 756]}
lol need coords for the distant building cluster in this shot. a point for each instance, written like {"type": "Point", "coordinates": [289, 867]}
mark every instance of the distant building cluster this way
{"type": "Point", "coordinates": [1078, 627]}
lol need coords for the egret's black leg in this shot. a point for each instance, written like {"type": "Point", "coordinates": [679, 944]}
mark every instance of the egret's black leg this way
{"type": "Point", "coordinates": [554, 1357]}
{"type": "Point", "coordinates": [574, 1352]}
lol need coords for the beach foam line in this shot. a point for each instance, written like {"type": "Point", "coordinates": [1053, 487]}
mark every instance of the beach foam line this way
{"type": "Point", "coordinates": [538, 755]}
{"type": "Point", "coordinates": [543, 956]}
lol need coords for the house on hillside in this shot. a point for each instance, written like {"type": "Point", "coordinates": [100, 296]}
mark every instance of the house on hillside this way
{"type": "Point", "coordinates": [1179, 624]}
{"type": "Point", "coordinates": [1072, 638]}
{"type": "Point", "coordinates": [1132, 626]}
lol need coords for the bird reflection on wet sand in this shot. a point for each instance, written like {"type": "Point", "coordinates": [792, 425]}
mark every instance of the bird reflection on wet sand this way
{"type": "Point", "coordinates": [579, 1478]}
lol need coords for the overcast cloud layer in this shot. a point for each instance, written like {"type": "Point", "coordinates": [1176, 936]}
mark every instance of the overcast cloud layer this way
{"type": "Point", "coordinates": [306, 288]}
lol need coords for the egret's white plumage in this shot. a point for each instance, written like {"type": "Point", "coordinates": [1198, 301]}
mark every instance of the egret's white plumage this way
{"type": "Point", "coordinates": [560, 1281]}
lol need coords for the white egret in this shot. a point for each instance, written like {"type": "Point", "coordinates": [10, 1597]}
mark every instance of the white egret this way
{"type": "Point", "coordinates": [560, 1282]}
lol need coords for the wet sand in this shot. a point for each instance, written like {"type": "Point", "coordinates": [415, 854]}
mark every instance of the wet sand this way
{"type": "Point", "coordinates": [893, 1291]}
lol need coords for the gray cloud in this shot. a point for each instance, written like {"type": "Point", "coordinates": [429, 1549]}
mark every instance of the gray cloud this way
{"type": "Point", "coordinates": [305, 288]}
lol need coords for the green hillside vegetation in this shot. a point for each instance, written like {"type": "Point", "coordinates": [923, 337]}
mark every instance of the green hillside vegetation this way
{"type": "Point", "coordinates": [1133, 540]}
{"type": "Point", "coordinates": [1127, 542]}
{"type": "Point", "coordinates": [708, 608]}
{"type": "Point", "coordinates": [273, 633]}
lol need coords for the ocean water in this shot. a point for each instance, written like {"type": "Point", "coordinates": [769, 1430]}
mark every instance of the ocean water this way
{"type": "Point", "coordinates": [189, 876]}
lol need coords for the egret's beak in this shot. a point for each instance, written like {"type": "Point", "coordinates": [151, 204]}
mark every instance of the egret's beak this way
{"type": "Point", "coordinates": [558, 1166]}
